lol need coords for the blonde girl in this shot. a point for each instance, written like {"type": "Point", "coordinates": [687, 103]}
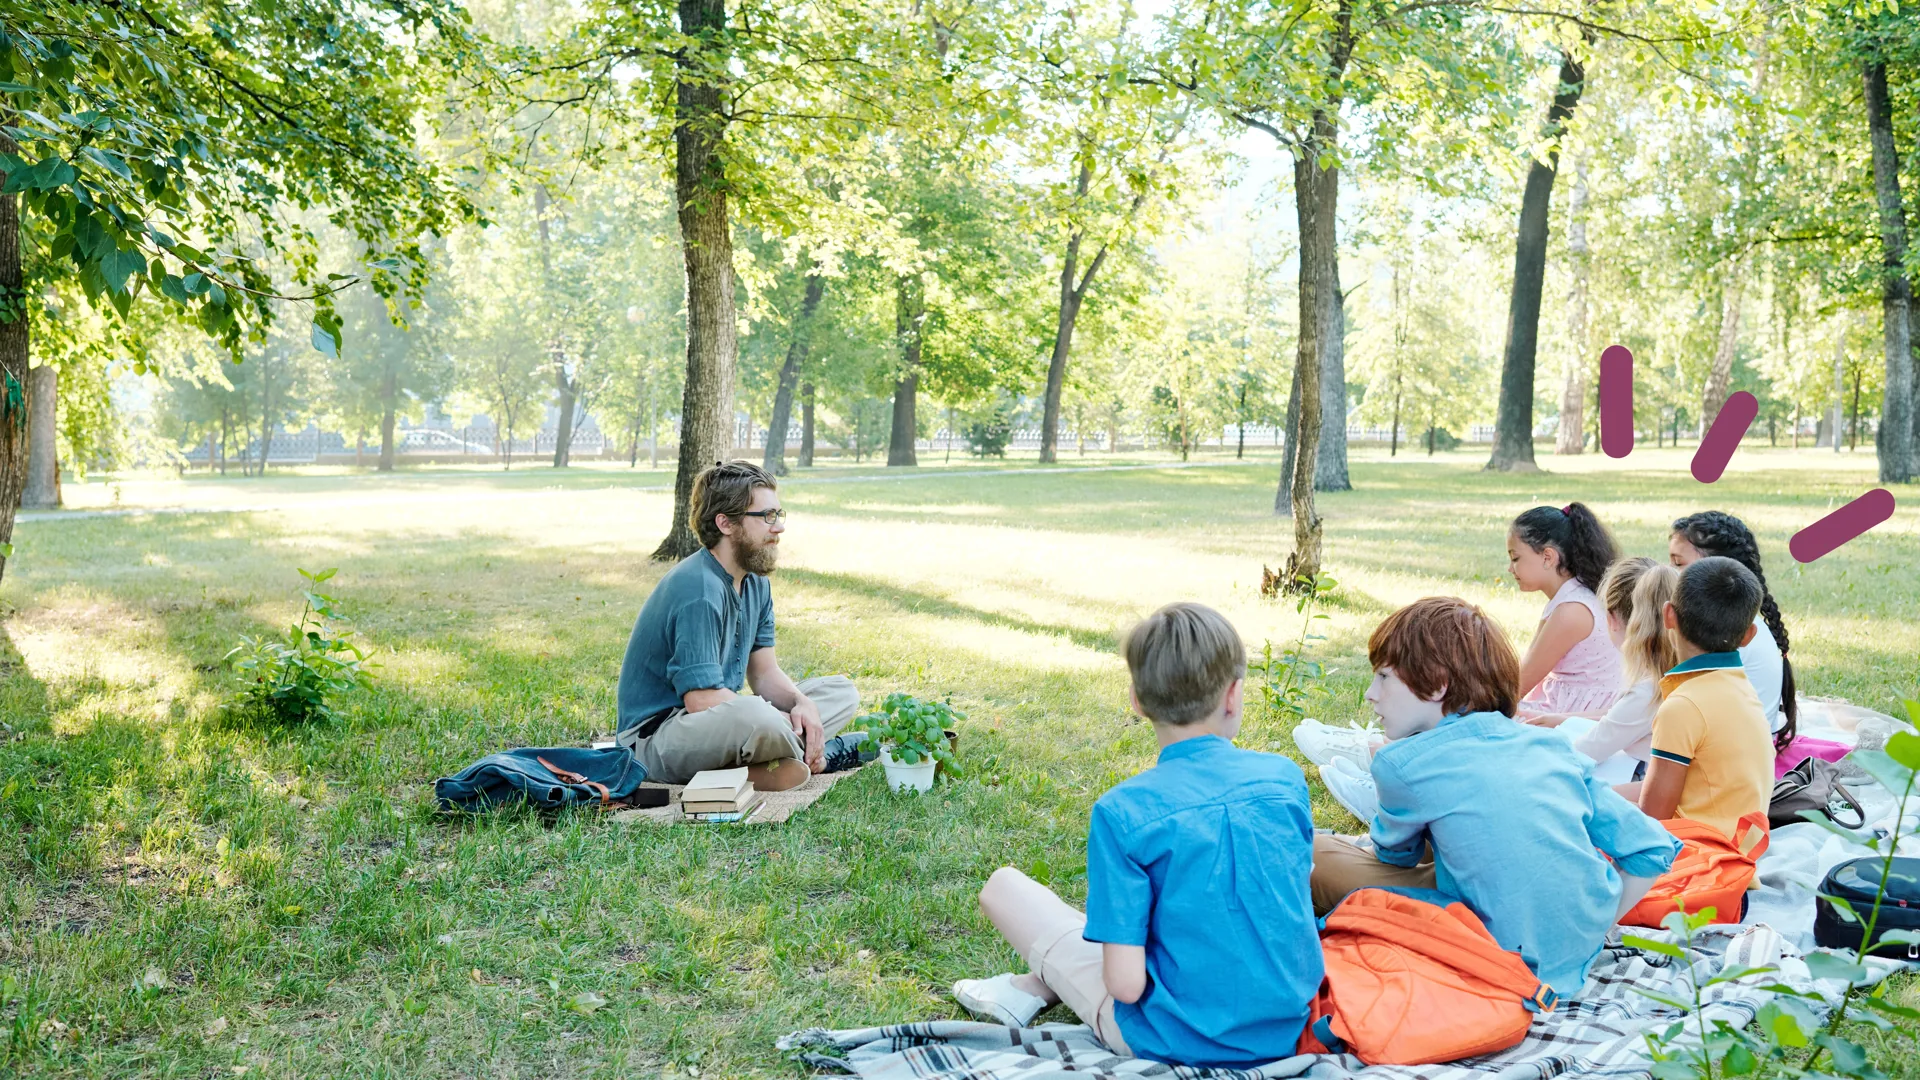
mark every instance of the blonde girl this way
{"type": "Point", "coordinates": [1635, 591]}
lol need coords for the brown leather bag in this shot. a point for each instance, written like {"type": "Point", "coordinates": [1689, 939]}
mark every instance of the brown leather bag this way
{"type": "Point", "coordinates": [1814, 785]}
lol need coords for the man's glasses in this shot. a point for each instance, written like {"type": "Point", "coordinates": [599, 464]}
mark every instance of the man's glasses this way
{"type": "Point", "coordinates": [774, 518]}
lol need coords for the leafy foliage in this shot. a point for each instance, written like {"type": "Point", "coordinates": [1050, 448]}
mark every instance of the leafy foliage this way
{"type": "Point", "coordinates": [130, 184]}
{"type": "Point", "coordinates": [293, 678]}
{"type": "Point", "coordinates": [989, 431]}
{"type": "Point", "coordinates": [913, 730]}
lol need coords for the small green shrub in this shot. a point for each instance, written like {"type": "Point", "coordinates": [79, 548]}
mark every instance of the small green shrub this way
{"type": "Point", "coordinates": [1293, 679]}
{"type": "Point", "coordinates": [292, 679]}
{"type": "Point", "coordinates": [911, 729]}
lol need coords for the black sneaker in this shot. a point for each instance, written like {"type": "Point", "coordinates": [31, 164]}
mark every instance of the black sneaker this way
{"type": "Point", "coordinates": [849, 751]}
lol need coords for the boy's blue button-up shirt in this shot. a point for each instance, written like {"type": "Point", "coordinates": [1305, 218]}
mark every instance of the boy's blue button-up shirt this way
{"type": "Point", "coordinates": [1518, 826]}
{"type": "Point", "coordinates": [1204, 859]}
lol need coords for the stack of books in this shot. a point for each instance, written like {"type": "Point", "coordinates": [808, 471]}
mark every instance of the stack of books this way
{"type": "Point", "coordinates": [718, 795]}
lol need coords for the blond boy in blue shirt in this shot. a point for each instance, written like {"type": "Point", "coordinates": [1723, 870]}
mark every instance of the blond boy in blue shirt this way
{"type": "Point", "coordinates": [1199, 945]}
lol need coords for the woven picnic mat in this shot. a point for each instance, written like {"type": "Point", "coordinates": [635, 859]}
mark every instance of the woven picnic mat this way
{"type": "Point", "coordinates": [776, 806]}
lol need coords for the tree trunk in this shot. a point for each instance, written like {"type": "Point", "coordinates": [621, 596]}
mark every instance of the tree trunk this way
{"type": "Point", "coordinates": [1330, 461]}
{"type": "Point", "coordinates": [14, 353]}
{"type": "Point", "coordinates": [1401, 306]}
{"type": "Point", "coordinates": [1316, 201]}
{"type": "Point", "coordinates": [1839, 386]}
{"type": "Point", "coordinates": [43, 454]}
{"type": "Point", "coordinates": [504, 436]}
{"type": "Point", "coordinates": [1895, 438]}
{"type": "Point", "coordinates": [1913, 369]}
{"type": "Point", "coordinates": [1283, 497]}
{"type": "Point", "coordinates": [1393, 435]}
{"type": "Point", "coordinates": [910, 314]}
{"type": "Point", "coordinates": [1330, 447]}
{"type": "Point", "coordinates": [706, 239]}
{"type": "Point", "coordinates": [568, 392]}
{"type": "Point", "coordinates": [1572, 438]}
{"type": "Point", "coordinates": [806, 426]}
{"type": "Point", "coordinates": [1720, 375]}
{"type": "Point", "coordinates": [775, 459]}
{"type": "Point", "coordinates": [1853, 423]}
{"type": "Point", "coordinates": [1240, 429]}
{"type": "Point", "coordinates": [1068, 313]}
{"type": "Point", "coordinates": [390, 392]}
{"type": "Point", "coordinates": [1513, 430]}
{"type": "Point", "coordinates": [266, 414]}
{"type": "Point", "coordinates": [563, 384]}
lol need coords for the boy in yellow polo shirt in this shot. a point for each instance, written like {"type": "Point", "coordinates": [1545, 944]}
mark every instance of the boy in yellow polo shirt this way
{"type": "Point", "coordinates": [1712, 750]}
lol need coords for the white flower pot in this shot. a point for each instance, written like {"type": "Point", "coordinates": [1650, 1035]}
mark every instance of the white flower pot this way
{"type": "Point", "coordinates": [904, 777]}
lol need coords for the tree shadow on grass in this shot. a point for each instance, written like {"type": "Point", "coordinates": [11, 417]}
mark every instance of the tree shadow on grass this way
{"type": "Point", "coordinates": [915, 600]}
{"type": "Point", "coordinates": [23, 698]}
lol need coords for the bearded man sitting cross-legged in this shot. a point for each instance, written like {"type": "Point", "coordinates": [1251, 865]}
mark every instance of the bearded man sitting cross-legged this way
{"type": "Point", "coordinates": [707, 626]}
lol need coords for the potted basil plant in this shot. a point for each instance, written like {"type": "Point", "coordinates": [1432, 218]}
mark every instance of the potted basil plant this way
{"type": "Point", "coordinates": [912, 736]}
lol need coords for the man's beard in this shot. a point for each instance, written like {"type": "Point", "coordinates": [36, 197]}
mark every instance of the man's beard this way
{"type": "Point", "coordinates": [756, 558]}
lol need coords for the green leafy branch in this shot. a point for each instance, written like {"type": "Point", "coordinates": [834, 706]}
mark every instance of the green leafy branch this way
{"type": "Point", "coordinates": [1291, 680]}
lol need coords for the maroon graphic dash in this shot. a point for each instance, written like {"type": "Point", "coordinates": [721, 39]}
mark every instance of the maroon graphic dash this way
{"type": "Point", "coordinates": [1841, 526]}
{"type": "Point", "coordinates": [1723, 438]}
{"type": "Point", "coordinates": [1616, 401]}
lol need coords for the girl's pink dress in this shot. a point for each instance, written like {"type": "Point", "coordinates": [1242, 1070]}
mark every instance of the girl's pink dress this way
{"type": "Point", "coordinates": [1588, 677]}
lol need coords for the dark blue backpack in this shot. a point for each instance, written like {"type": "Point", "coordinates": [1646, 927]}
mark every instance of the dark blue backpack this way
{"type": "Point", "coordinates": [549, 778]}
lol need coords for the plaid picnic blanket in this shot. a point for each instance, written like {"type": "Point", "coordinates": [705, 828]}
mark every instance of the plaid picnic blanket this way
{"type": "Point", "coordinates": [1601, 1033]}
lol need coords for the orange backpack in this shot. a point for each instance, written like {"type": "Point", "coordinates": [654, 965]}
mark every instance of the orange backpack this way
{"type": "Point", "coordinates": [1413, 983]}
{"type": "Point", "coordinates": [1711, 872]}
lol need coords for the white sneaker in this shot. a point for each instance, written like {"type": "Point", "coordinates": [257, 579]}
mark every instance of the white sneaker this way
{"type": "Point", "coordinates": [1324, 743]}
{"type": "Point", "coordinates": [999, 1000]}
{"type": "Point", "coordinates": [1352, 787]}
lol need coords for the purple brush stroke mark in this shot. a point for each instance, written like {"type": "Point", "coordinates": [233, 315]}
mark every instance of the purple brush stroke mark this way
{"type": "Point", "coordinates": [1842, 526]}
{"type": "Point", "coordinates": [1616, 401]}
{"type": "Point", "coordinates": [1723, 438]}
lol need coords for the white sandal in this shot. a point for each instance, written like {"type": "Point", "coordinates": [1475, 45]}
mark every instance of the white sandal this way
{"type": "Point", "coordinates": [998, 999]}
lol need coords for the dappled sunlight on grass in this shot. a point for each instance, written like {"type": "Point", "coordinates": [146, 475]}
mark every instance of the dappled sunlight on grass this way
{"type": "Point", "coordinates": [298, 885]}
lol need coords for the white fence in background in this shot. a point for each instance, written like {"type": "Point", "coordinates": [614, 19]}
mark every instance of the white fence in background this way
{"type": "Point", "coordinates": [308, 446]}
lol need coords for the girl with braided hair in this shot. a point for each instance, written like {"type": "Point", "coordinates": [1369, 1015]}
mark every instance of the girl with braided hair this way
{"type": "Point", "coordinates": [1713, 532]}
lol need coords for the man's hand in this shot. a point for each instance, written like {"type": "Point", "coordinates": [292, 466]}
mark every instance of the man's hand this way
{"type": "Point", "coordinates": [805, 718]}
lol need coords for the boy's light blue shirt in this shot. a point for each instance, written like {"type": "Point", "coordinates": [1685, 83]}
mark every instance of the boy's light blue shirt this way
{"type": "Point", "coordinates": [1518, 826]}
{"type": "Point", "coordinates": [1204, 859]}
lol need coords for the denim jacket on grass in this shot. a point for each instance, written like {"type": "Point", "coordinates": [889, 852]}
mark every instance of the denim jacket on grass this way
{"type": "Point", "coordinates": [548, 778]}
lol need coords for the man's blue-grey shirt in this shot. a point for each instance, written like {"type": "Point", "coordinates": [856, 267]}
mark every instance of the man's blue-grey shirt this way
{"type": "Point", "coordinates": [694, 633]}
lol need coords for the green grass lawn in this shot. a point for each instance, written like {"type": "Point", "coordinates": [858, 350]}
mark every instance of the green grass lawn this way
{"type": "Point", "coordinates": [189, 897]}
